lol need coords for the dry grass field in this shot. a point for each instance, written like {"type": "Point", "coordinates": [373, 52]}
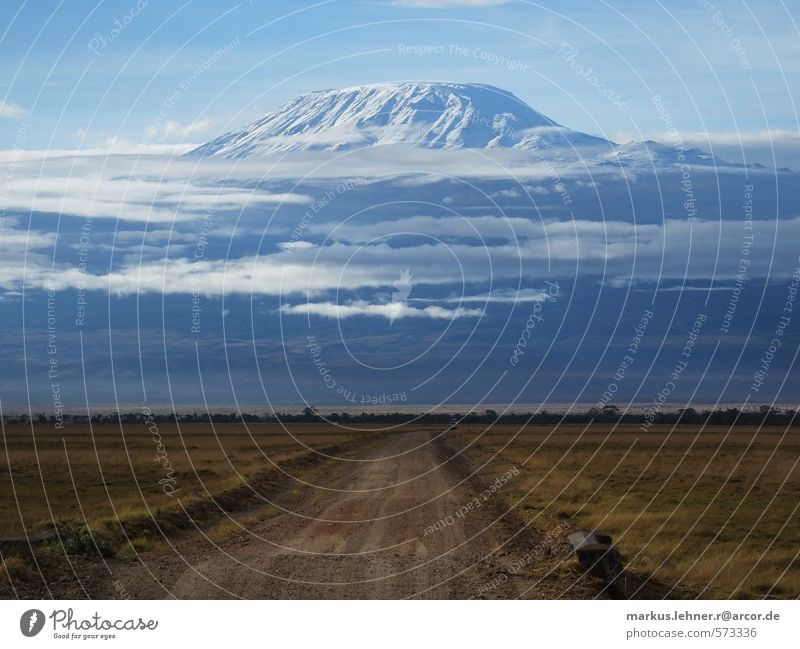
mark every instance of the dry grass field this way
{"type": "Point", "coordinates": [716, 510]}
{"type": "Point", "coordinates": [103, 475]}
{"type": "Point", "coordinates": [712, 512]}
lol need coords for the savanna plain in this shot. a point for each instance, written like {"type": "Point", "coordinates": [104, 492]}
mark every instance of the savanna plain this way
{"type": "Point", "coordinates": [321, 511]}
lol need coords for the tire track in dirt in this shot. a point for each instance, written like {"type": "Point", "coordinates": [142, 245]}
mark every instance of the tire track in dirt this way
{"type": "Point", "coordinates": [374, 540]}
{"type": "Point", "coordinates": [385, 526]}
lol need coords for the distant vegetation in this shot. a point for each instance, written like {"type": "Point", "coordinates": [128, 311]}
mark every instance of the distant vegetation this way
{"type": "Point", "coordinates": [763, 416]}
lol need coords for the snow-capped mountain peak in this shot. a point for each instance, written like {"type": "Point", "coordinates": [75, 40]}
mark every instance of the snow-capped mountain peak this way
{"type": "Point", "coordinates": [427, 115]}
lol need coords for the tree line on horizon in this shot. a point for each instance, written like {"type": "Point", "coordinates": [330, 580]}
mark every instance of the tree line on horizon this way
{"type": "Point", "coordinates": [609, 414]}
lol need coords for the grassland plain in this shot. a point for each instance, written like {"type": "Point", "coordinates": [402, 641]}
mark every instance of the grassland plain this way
{"type": "Point", "coordinates": [714, 509]}
{"type": "Point", "coordinates": [108, 473]}
{"type": "Point", "coordinates": [696, 512]}
{"type": "Point", "coordinates": [307, 526]}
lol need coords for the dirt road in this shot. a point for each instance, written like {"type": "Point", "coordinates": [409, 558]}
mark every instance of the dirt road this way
{"type": "Point", "coordinates": [398, 518]}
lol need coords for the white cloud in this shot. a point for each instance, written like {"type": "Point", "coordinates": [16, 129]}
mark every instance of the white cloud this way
{"type": "Point", "coordinates": [127, 188]}
{"type": "Point", "coordinates": [445, 227]}
{"type": "Point", "coordinates": [296, 245]}
{"type": "Point", "coordinates": [390, 311]}
{"type": "Point", "coordinates": [23, 251]}
{"type": "Point", "coordinates": [177, 130]}
{"type": "Point", "coordinates": [507, 296]}
{"type": "Point", "coordinates": [123, 146]}
{"type": "Point", "coordinates": [12, 240]}
{"type": "Point", "coordinates": [267, 275]}
{"type": "Point", "coordinates": [12, 111]}
{"type": "Point", "coordinates": [105, 149]}
{"type": "Point", "coordinates": [632, 253]}
{"type": "Point", "coordinates": [477, 227]}
{"type": "Point", "coordinates": [409, 165]}
{"type": "Point", "coordinates": [452, 253]}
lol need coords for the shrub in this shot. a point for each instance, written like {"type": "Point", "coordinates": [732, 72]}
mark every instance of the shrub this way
{"type": "Point", "coordinates": [15, 568]}
{"type": "Point", "coordinates": [77, 538]}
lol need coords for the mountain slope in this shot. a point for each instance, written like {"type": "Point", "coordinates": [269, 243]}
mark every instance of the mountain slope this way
{"type": "Point", "coordinates": [427, 115]}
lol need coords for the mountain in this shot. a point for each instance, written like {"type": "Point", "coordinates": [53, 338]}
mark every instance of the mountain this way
{"type": "Point", "coordinates": [649, 153]}
{"type": "Point", "coordinates": [426, 115]}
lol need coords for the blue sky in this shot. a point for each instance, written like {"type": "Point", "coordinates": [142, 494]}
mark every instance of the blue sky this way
{"type": "Point", "coordinates": [73, 83]}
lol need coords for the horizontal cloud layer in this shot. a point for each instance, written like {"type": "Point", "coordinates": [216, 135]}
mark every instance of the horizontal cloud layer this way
{"type": "Point", "coordinates": [272, 239]}
{"type": "Point", "coordinates": [612, 251]}
{"type": "Point", "coordinates": [390, 311]}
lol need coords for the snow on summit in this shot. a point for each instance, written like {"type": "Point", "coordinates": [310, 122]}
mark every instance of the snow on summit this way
{"type": "Point", "coordinates": [427, 115]}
